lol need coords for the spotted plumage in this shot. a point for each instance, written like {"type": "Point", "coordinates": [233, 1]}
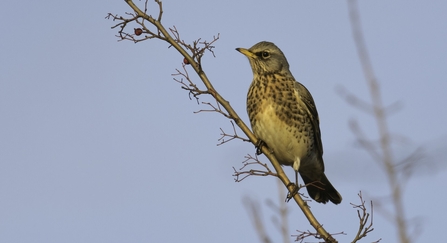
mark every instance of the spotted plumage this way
{"type": "Point", "coordinates": [283, 115]}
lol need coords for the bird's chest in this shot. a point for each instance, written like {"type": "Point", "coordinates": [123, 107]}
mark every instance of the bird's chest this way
{"type": "Point", "coordinates": [280, 120]}
{"type": "Point", "coordinates": [287, 140]}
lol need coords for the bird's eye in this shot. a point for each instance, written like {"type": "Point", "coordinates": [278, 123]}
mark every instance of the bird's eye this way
{"type": "Point", "coordinates": [265, 54]}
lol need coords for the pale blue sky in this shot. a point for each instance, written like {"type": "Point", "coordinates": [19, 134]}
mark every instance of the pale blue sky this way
{"type": "Point", "coordinates": [99, 144]}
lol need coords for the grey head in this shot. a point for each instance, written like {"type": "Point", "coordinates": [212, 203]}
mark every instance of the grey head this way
{"type": "Point", "coordinates": [266, 58]}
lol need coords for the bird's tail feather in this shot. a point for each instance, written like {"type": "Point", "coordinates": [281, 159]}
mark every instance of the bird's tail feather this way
{"type": "Point", "coordinates": [322, 191]}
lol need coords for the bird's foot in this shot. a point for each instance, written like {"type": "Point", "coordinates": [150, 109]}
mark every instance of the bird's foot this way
{"type": "Point", "coordinates": [258, 146]}
{"type": "Point", "coordinates": [290, 195]}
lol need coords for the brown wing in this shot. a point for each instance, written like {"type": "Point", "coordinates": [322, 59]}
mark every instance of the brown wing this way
{"type": "Point", "coordinates": [306, 97]}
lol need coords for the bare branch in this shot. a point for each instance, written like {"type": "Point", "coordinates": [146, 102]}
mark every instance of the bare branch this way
{"type": "Point", "coordinates": [379, 112]}
{"type": "Point", "coordinates": [368, 145]}
{"type": "Point", "coordinates": [407, 165]}
{"type": "Point", "coordinates": [305, 234]}
{"type": "Point", "coordinates": [254, 211]}
{"type": "Point", "coordinates": [138, 19]}
{"type": "Point", "coordinates": [192, 56]}
{"type": "Point", "coordinates": [230, 137]}
{"type": "Point", "coordinates": [366, 223]}
{"type": "Point", "coordinates": [160, 12]}
{"type": "Point", "coordinates": [215, 108]}
{"type": "Point", "coordinates": [354, 100]}
{"type": "Point", "coordinates": [189, 86]}
{"type": "Point", "coordinates": [198, 47]}
{"type": "Point", "coordinates": [249, 161]}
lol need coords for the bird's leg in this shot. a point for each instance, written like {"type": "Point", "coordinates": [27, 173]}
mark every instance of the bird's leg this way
{"type": "Point", "coordinates": [296, 167]}
{"type": "Point", "coordinates": [258, 146]}
{"type": "Point", "coordinates": [290, 195]}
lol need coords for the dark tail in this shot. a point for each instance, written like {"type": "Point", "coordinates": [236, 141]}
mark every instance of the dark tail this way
{"type": "Point", "coordinates": [322, 191]}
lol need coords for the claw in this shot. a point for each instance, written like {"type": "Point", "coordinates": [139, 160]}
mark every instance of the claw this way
{"type": "Point", "coordinates": [290, 195]}
{"type": "Point", "coordinates": [258, 146]}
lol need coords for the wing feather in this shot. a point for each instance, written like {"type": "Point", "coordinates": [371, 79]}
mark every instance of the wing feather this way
{"type": "Point", "coordinates": [307, 99]}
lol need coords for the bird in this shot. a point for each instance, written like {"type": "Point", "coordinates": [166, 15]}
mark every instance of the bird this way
{"type": "Point", "coordinates": [283, 116]}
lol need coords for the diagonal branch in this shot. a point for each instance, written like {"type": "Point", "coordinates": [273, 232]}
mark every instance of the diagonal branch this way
{"type": "Point", "coordinates": [194, 60]}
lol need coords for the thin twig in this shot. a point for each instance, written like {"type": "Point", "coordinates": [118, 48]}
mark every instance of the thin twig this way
{"type": "Point", "coordinates": [229, 137]}
{"type": "Point", "coordinates": [242, 173]}
{"type": "Point", "coordinates": [364, 218]}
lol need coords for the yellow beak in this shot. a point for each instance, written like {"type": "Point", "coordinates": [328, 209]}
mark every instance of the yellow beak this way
{"type": "Point", "coordinates": [246, 52]}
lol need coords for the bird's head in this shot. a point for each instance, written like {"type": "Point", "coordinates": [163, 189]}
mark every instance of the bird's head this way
{"type": "Point", "coordinates": [265, 57]}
